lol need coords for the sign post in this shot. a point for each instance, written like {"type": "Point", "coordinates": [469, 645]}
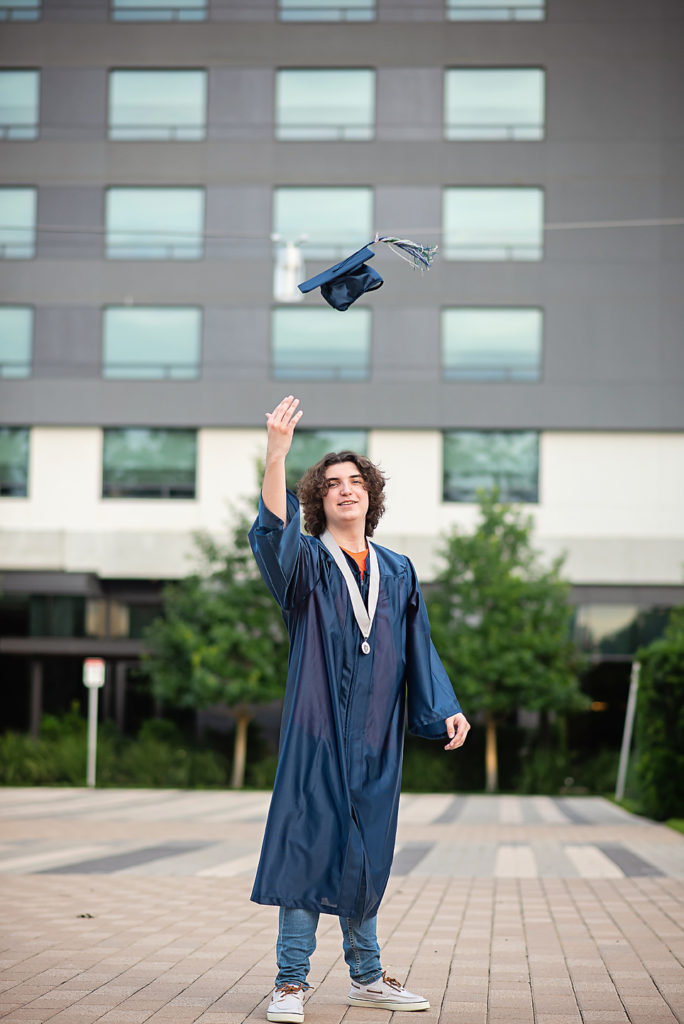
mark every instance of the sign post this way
{"type": "Point", "coordinates": [627, 732]}
{"type": "Point", "coordinates": [93, 678]}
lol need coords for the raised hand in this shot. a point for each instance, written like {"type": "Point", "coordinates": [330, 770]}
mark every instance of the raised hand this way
{"type": "Point", "coordinates": [280, 425]}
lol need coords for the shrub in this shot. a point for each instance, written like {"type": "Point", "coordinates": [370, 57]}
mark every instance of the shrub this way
{"type": "Point", "coordinates": [660, 722]}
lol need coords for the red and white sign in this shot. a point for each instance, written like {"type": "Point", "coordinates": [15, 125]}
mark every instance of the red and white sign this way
{"type": "Point", "coordinates": [93, 672]}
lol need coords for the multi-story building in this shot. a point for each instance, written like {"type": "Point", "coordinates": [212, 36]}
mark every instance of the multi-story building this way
{"type": "Point", "coordinates": [150, 152]}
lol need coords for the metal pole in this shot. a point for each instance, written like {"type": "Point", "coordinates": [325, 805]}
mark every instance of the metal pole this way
{"type": "Point", "coordinates": [92, 733]}
{"type": "Point", "coordinates": [627, 733]}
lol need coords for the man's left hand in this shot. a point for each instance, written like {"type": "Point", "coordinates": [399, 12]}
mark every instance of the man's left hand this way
{"type": "Point", "coordinates": [458, 728]}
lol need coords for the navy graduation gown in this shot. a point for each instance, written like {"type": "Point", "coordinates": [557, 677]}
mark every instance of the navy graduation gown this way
{"type": "Point", "coordinates": [331, 827]}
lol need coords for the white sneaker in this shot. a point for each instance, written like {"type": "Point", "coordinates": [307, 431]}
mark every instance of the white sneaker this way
{"type": "Point", "coordinates": [387, 994]}
{"type": "Point", "coordinates": [287, 1004]}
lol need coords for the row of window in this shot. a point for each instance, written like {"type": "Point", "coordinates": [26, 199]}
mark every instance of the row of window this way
{"type": "Point", "coordinates": [152, 223]}
{"type": "Point", "coordinates": [310, 104]}
{"type": "Point", "coordinates": [162, 463]}
{"type": "Point", "coordinates": [165, 342]}
{"type": "Point", "coordinates": [289, 10]}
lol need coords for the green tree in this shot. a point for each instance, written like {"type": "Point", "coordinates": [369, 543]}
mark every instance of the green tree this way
{"type": "Point", "coordinates": [501, 623]}
{"type": "Point", "coordinates": [660, 722]}
{"type": "Point", "coordinates": [221, 639]}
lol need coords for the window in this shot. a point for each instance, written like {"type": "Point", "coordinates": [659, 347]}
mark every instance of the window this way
{"type": "Point", "coordinates": [493, 223]}
{"type": "Point", "coordinates": [151, 342]}
{"type": "Point", "coordinates": [494, 103]}
{"type": "Point", "coordinates": [491, 344]}
{"type": "Point", "coordinates": [618, 629]}
{"type": "Point", "coordinates": [318, 344]}
{"type": "Point", "coordinates": [149, 463]}
{"type": "Point", "coordinates": [17, 223]}
{"type": "Point", "coordinates": [309, 446]}
{"type": "Point", "coordinates": [325, 104]}
{"type": "Point", "coordinates": [14, 459]}
{"type": "Point", "coordinates": [159, 10]}
{"type": "Point", "coordinates": [476, 459]}
{"type": "Point", "coordinates": [19, 10]}
{"type": "Point", "coordinates": [327, 10]}
{"type": "Point", "coordinates": [495, 10]}
{"type": "Point", "coordinates": [19, 104]}
{"type": "Point", "coordinates": [333, 221]}
{"type": "Point", "coordinates": [157, 105]}
{"type": "Point", "coordinates": [155, 223]}
{"type": "Point", "coordinates": [16, 335]}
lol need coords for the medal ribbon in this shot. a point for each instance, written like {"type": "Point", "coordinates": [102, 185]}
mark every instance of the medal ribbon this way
{"type": "Point", "coordinates": [364, 616]}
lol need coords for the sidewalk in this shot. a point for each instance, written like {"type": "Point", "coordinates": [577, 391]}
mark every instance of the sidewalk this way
{"type": "Point", "coordinates": [124, 907]}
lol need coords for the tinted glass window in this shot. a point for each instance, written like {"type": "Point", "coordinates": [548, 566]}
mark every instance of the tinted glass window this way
{"type": "Point", "coordinates": [19, 10]}
{"type": "Point", "coordinates": [19, 92]}
{"type": "Point", "coordinates": [149, 463]}
{"type": "Point", "coordinates": [491, 344]}
{"type": "Point", "coordinates": [155, 223]}
{"type": "Point", "coordinates": [333, 222]}
{"type": "Point", "coordinates": [475, 459]}
{"type": "Point", "coordinates": [494, 103]}
{"type": "Point", "coordinates": [319, 344]}
{"type": "Point", "coordinates": [17, 223]}
{"type": "Point", "coordinates": [495, 10]}
{"type": "Point", "coordinates": [151, 342]}
{"type": "Point", "coordinates": [159, 10]}
{"type": "Point", "coordinates": [325, 104]}
{"type": "Point", "coordinates": [14, 461]}
{"type": "Point", "coordinates": [16, 334]}
{"type": "Point", "coordinates": [157, 104]}
{"type": "Point", "coordinates": [493, 223]}
{"type": "Point", "coordinates": [327, 10]}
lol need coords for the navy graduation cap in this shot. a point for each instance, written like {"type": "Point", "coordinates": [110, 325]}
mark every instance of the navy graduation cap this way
{"type": "Point", "coordinates": [347, 281]}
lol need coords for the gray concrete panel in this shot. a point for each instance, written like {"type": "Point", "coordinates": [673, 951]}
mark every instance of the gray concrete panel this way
{"type": "Point", "coordinates": [67, 342]}
{"type": "Point", "coordinates": [241, 103]}
{"type": "Point", "coordinates": [70, 224]}
{"type": "Point", "coordinates": [409, 104]}
{"type": "Point", "coordinates": [73, 106]}
{"type": "Point", "coordinates": [238, 225]}
{"type": "Point", "coordinates": [236, 344]}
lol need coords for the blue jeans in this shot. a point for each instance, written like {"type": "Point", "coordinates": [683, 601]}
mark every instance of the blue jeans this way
{"type": "Point", "coordinates": [297, 941]}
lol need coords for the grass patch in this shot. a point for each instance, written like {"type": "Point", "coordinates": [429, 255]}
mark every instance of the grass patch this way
{"type": "Point", "coordinates": [677, 824]}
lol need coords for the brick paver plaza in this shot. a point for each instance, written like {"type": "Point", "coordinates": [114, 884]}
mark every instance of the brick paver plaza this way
{"type": "Point", "coordinates": [132, 906]}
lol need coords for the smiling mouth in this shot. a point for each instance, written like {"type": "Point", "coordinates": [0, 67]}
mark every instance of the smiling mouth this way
{"type": "Point", "coordinates": [343, 504]}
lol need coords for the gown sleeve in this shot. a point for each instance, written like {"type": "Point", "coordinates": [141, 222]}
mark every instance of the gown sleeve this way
{"type": "Point", "coordinates": [430, 695]}
{"type": "Point", "coordinates": [286, 562]}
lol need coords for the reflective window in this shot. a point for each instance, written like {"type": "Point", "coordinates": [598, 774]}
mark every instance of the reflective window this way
{"type": "Point", "coordinates": [14, 461]}
{"type": "Point", "coordinates": [325, 104]}
{"type": "Point", "coordinates": [495, 10]}
{"type": "Point", "coordinates": [475, 459]}
{"type": "Point", "coordinates": [19, 10]}
{"type": "Point", "coordinates": [491, 344]}
{"type": "Point", "coordinates": [318, 344]}
{"type": "Point", "coordinates": [155, 223]}
{"type": "Point", "coordinates": [493, 224]}
{"type": "Point", "coordinates": [157, 104]}
{"type": "Point", "coordinates": [618, 628]}
{"type": "Point", "coordinates": [494, 103]}
{"type": "Point", "coordinates": [148, 463]}
{"type": "Point", "coordinates": [17, 223]}
{"type": "Point", "coordinates": [309, 446]}
{"type": "Point", "coordinates": [151, 342]}
{"type": "Point", "coordinates": [16, 337]}
{"type": "Point", "coordinates": [19, 97]}
{"type": "Point", "coordinates": [327, 10]}
{"type": "Point", "coordinates": [333, 222]}
{"type": "Point", "coordinates": [159, 10]}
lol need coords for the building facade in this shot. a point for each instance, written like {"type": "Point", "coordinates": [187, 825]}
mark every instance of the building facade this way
{"type": "Point", "coordinates": [156, 160]}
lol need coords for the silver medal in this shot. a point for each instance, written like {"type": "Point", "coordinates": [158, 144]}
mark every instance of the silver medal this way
{"type": "Point", "coordinates": [365, 647]}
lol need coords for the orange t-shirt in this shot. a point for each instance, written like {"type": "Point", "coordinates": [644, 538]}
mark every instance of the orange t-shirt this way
{"type": "Point", "coordinates": [360, 559]}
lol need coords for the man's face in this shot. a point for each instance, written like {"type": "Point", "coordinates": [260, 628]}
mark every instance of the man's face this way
{"type": "Point", "coordinates": [346, 500]}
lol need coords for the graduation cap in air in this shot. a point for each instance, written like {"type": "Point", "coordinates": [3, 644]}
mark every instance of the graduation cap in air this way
{"type": "Point", "coordinates": [347, 281]}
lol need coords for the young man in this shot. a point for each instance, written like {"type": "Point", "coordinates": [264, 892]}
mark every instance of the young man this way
{"type": "Point", "coordinates": [361, 660]}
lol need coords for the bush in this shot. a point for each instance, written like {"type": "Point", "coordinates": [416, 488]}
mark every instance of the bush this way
{"type": "Point", "coordinates": [660, 723]}
{"type": "Point", "coordinates": [158, 756]}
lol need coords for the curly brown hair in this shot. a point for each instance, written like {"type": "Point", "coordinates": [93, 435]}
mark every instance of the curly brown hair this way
{"type": "Point", "coordinates": [313, 486]}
